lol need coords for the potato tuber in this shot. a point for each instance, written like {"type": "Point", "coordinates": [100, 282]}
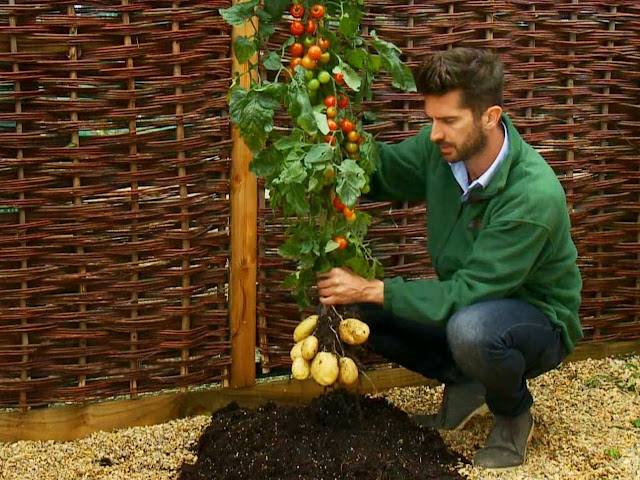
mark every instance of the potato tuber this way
{"type": "Point", "coordinates": [309, 347]}
{"type": "Point", "coordinates": [353, 332]}
{"type": "Point", "coordinates": [296, 351]}
{"type": "Point", "coordinates": [300, 369]}
{"type": "Point", "coordinates": [324, 368]}
{"type": "Point", "coordinates": [348, 371]}
{"type": "Point", "coordinates": [305, 328]}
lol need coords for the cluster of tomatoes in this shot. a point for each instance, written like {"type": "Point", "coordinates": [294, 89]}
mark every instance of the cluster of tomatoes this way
{"type": "Point", "coordinates": [312, 51]}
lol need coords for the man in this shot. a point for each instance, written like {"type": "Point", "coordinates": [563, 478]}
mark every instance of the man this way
{"type": "Point", "coordinates": [505, 305]}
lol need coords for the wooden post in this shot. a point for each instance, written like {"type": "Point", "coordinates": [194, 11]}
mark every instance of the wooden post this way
{"type": "Point", "coordinates": [244, 223]}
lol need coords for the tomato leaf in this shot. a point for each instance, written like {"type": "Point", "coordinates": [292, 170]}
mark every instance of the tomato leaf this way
{"type": "Point", "coordinates": [275, 8]}
{"type": "Point", "coordinates": [292, 188]}
{"type": "Point", "coordinates": [240, 13]}
{"type": "Point", "coordinates": [273, 61]}
{"type": "Point", "coordinates": [331, 246]}
{"type": "Point", "coordinates": [298, 103]}
{"type": "Point", "coordinates": [266, 28]}
{"type": "Point", "coordinates": [390, 57]}
{"type": "Point", "coordinates": [369, 154]}
{"type": "Point", "coordinates": [351, 78]}
{"type": "Point", "coordinates": [356, 58]}
{"type": "Point", "coordinates": [350, 21]}
{"type": "Point", "coordinates": [321, 121]}
{"type": "Point", "coordinates": [321, 152]}
{"type": "Point", "coordinates": [350, 181]}
{"type": "Point", "coordinates": [244, 48]}
{"type": "Point", "coordinates": [266, 163]}
{"type": "Point", "coordinates": [252, 112]}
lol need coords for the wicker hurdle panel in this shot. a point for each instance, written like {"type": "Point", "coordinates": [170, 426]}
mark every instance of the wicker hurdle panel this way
{"type": "Point", "coordinates": [571, 89]}
{"type": "Point", "coordinates": [114, 166]}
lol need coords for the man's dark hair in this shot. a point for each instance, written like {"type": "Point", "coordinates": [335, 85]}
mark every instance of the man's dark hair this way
{"type": "Point", "coordinates": [479, 74]}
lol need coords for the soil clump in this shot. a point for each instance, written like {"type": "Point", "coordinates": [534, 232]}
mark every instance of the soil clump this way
{"type": "Point", "coordinates": [338, 436]}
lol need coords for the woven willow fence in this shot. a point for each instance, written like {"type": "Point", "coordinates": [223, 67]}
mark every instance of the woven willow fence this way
{"type": "Point", "coordinates": [115, 151]}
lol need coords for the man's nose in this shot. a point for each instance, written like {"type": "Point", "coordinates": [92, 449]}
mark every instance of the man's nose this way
{"type": "Point", "coordinates": [436, 133]}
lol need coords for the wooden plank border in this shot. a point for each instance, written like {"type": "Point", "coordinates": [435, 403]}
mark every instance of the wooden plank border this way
{"type": "Point", "coordinates": [244, 244]}
{"type": "Point", "coordinates": [72, 422]}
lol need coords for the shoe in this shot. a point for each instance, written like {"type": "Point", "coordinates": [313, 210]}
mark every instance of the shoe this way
{"type": "Point", "coordinates": [507, 443]}
{"type": "Point", "coordinates": [460, 402]}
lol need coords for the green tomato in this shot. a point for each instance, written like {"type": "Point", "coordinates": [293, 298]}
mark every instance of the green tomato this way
{"type": "Point", "coordinates": [324, 77]}
{"type": "Point", "coordinates": [309, 74]}
{"type": "Point", "coordinates": [366, 189]}
{"type": "Point", "coordinates": [313, 84]}
{"type": "Point", "coordinates": [308, 41]}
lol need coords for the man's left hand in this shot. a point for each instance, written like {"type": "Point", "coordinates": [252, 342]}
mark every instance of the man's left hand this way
{"type": "Point", "coordinates": [341, 286]}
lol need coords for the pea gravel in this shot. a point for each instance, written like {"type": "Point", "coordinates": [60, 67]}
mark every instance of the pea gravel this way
{"type": "Point", "coordinates": [587, 427]}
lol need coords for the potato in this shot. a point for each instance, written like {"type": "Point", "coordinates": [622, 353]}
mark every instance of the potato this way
{"type": "Point", "coordinates": [300, 369]}
{"type": "Point", "coordinates": [309, 347]}
{"type": "Point", "coordinates": [324, 368]}
{"type": "Point", "coordinates": [348, 371]}
{"type": "Point", "coordinates": [353, 332]}
{"type": "Point", "coordinates": [305, 328]}
{"type": "Point", "coordinates": [296, 351]}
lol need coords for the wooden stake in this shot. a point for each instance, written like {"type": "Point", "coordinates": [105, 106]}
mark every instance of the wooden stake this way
{"type": "Point", "coordinates": [244, 223]}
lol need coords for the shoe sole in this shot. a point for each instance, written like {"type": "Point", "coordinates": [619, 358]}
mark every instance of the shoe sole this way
{"type": "Point", "coordinates": [481, 410]}
{"type": "Point", "coordinates": [515, 467]}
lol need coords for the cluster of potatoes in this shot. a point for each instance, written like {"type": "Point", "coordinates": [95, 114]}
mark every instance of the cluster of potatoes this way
{"type": "Point", "coordinates": [326, 368]}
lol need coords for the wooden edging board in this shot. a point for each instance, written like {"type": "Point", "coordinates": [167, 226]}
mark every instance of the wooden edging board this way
{"type": "Point", "coordinates": [77, 421]}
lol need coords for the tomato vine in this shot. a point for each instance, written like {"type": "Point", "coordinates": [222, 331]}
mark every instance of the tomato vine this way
{"type": "Point", "coordinates": [318, 167]}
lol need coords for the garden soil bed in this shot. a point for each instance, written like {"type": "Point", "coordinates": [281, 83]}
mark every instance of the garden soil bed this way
{"type": "Point", "coordinates": [338, 436]}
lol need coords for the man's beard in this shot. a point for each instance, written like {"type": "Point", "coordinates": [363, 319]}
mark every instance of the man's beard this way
{"type": "Point", "coordinates": [472, 146]}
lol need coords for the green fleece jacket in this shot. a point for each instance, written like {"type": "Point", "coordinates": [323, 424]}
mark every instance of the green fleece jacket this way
{"type": "Point", "coordinates": [510, 240]}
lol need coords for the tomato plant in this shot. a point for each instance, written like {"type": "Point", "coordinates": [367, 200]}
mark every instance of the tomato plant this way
{"type": "Point", "coordinates": [317, 168]}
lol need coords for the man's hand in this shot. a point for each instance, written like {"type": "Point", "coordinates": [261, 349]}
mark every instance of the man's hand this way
{"type": "Point", "coordinates": [341, 286]}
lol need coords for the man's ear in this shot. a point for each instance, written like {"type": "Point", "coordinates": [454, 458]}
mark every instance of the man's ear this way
{"type": "Point", "coordinates": [492, 116]}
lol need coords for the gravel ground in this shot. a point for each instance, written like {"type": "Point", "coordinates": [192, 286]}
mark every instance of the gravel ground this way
{"type": "Point", "coordinates": [587, 427]}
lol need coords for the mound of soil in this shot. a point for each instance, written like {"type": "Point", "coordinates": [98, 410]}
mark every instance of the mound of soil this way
{"type": "Point", "coordinates": [339, 436]}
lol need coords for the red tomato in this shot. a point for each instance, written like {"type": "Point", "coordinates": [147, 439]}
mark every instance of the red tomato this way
{"type": "Point", "coordinates": [311, 27]}
{"type": "Point", "coordinates": [295, 61]}
{"type": "Point", "coordinates": [297, 11]}
{"type": "Point", "coordinates": [339, 78]}
{"type": "Point", "coordinates": [347, 125]}
{"type": "Point", "coordinates": [339, 206]}
{"type": "Point", "coordinates": [343, 101]}
{"type": "Point", "coordinates": [330, 101]}
{"type": "Point", "coordinates": [296, 50]}
{"type": "Point", "coordinates": [297, 28]}
{"type": "Point", "coordinates": [314, 52]}
{"type": "Point", "coordinates": [341, 241]}
{"type": "Point", "coordinates": [317, 11]}
{"type": "Point", "coordinates": [331, 139]}
{"type": "Point", "coordinates": [333, 125]}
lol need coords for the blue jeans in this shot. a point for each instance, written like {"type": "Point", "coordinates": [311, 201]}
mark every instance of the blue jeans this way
{"type": "Point", "coordinates": [500, 343]}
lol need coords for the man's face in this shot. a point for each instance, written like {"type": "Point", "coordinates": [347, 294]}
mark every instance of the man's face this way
{"type": "Point", "coordinates": [455, 130]}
